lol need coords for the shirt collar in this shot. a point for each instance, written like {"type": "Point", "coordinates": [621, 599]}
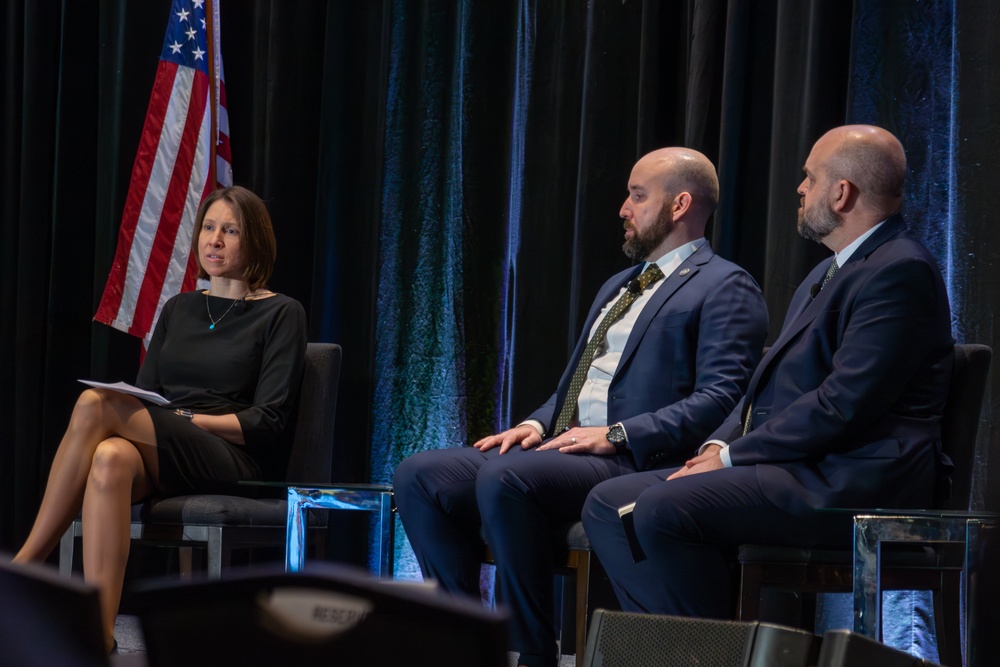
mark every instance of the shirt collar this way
{"type": "Point", "coordinates": [669, 261]}
{"type": "Point", "coordinates": [846, 253]}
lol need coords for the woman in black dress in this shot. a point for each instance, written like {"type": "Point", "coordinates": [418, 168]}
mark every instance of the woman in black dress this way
{"type": "Point", "coordinates": [228, 359]}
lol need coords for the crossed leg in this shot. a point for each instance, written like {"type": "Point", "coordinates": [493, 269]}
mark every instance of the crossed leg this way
{"type": "Point", "coordinates": [106, 461]}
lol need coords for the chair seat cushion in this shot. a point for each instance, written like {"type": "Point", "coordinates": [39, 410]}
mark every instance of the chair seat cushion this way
{"type": "Point", "coordinates": [766, 553]}
{"type": "Point", "coordinates": [576, 539]}
{"type": "Point", "coordinates": [916, 555]}
{"type": "Point", "coordinates": [219, 510]}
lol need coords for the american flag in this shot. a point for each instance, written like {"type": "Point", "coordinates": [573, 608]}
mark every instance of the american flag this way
{"type": "Point", "coordinates": [186, 127]}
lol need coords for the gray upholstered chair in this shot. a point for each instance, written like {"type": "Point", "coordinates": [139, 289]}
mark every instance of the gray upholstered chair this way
{"type": "Point", "coordinates": [938, 565]}
{"type": "Point", "coordinates": [221, 523]}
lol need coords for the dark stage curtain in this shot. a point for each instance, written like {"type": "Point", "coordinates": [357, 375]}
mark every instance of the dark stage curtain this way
{"type": "Point", "coordinates": [445, 178]}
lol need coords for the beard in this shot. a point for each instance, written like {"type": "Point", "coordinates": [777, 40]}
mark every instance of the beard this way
{"type": "Point", "coordinates": [816, 223]}
{"type": "Point", "coordinates": [642, 243]}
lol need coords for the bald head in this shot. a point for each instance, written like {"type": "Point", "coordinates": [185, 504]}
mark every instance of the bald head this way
{"type": "Point", "coordinates": [672, 193]}
{"type": "Point", "coordinates": [685, 170]}
{"type": "Point", "coordinates": [872, 159]}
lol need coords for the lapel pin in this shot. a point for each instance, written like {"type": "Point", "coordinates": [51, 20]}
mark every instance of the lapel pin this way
{"type": "Point", "coordinates": [684, 272]}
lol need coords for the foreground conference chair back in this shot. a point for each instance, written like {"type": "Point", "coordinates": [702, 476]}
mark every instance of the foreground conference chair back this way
{"type": "Point", "coordinates": [625, 639]}
{"type": "Point", "coordinates": [842, 648]}
{"type": "Point", "coordinates": [222, 523]}
{"type": "Point", "coordinates": [46, 619]}
{"type": "Point", "coordinates": [936, 565]}
{"type": "Point", "coordinates": [328, 615]}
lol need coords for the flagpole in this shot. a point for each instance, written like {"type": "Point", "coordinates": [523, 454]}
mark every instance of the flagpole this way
{"type": "Point", "coordinates": [153, 260]}
{"type": "Point", "coordinates": [213, 82]}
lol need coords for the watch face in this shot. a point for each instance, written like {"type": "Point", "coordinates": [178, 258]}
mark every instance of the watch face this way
{"type": "Point", "coordinates": [616, 435]}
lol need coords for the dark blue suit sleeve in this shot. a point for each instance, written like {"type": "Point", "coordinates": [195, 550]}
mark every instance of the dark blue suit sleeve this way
{"type": "Point", "coordinates": [546, 413]}
{"type": "Point", "coordinates": [853, 365]}
{"type": "Point", "coordinates": [731, 329]}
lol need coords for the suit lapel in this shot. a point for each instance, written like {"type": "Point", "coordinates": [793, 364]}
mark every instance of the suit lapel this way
{"type": "Point", "coordinates": [685, 272]}
{"type": "Point", "coordinates": [603, 298]}
{"type": "Point", "coordinates": [607, 295]}
{"type": "Point", "coordinates": [813, 307]}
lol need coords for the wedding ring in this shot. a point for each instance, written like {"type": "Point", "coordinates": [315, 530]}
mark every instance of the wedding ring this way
{"type": "Point", "coordinates": [574, 440]}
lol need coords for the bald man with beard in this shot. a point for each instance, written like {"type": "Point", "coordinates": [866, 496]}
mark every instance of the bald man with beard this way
{"type": "Point", "coordinates": [844, 410]}
{"type": "Point", "coordinates": [643, 388]}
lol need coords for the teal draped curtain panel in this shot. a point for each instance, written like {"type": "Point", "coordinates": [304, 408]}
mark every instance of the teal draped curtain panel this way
{"type": "Point", "coordinates": [445, 178]}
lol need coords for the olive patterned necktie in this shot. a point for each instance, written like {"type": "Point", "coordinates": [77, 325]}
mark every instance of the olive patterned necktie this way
{"type": "Point", "coordinates": [829, 273]}
{"type": "Point", "coordinates": [635, 288]}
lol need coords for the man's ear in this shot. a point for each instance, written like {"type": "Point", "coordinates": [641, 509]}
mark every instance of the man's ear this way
{"type": "Point", "coordinates": [844, 195]}
{"type": "Point", "coordinates": [680, 205]}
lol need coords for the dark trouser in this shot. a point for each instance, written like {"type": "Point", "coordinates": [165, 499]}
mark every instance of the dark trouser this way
{"type": "Point", "coordinates": [519, 498]}
{"type": "Point", "coordinates": [689, 529]}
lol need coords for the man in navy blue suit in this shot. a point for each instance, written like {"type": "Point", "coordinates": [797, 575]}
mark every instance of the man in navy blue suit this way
{"type": "Point", "coordinates": [667, 350]}
{"type": "Point", "coordinates": [844, 411]}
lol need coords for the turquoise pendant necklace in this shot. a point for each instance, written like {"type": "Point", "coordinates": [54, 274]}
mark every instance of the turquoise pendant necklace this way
{"type": "Point", "coordinates": [216, 321]}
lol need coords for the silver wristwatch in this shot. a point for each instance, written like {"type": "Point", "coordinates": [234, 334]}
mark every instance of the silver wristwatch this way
{"type": "Point", "coordinates": [616, 436]}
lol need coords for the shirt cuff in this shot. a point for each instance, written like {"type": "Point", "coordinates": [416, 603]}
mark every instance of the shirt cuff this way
{"type": "Point", "coordinates": [723, 453]}
{"type": "Point", "coordinates": [535, 424]}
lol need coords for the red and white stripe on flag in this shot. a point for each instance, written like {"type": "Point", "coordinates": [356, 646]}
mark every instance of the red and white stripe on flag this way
{"type": "Point", "coordinates": [172, 173]}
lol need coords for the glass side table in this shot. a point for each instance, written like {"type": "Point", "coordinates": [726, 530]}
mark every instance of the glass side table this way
{"type": "Point", "coordinates": [367, 497]}
{"type": "Point", "coordinates": [875, 529]}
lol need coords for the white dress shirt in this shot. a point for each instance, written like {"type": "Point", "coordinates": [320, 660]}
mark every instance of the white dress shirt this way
{"type": "Point", "coordinates": [592, 407]}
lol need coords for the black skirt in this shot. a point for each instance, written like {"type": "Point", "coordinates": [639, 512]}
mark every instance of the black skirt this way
{"type": "Point", "coordinates": [193, 460]}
